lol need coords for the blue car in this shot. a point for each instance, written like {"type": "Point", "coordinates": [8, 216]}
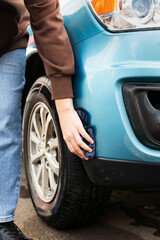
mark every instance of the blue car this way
{"type": "Point", "coordinates": [116, 45]}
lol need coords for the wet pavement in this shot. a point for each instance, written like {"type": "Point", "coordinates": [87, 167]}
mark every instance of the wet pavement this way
{"type": "Point", "coordinates": [132, 215]}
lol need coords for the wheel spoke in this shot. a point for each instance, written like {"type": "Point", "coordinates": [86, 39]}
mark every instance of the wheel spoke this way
{"type": "Point", "coordinates": [34, 138]}
{"type": "Point", "coordinates": [48, 120]}
{"type": "Point", "coordinates": [53, 163]}
{"type": "Point", "coordinates": [36, 157]}
{"type": "Point", "coordinates": [53, 184]}
{"type": "Point", "coordinates": [39, 172]}
{"type": "Point", "coordinates": [44, 178]}
{"type": "Point", "coordinates": [36, 125]}
{"type": "Point", "coordinates": [42, 116]}
{"type": "Point", "coordinates": [53, 143]}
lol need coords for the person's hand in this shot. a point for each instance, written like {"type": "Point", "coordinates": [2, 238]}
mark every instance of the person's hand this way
{"type": "Point", "coordinates": [72, 127]}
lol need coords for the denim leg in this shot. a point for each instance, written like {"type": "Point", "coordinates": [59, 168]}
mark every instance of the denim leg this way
{"type": "Point", "coordinates": [12, 80]}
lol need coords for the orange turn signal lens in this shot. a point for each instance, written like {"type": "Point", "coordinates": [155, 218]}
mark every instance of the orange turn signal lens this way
{"type": "Point", "coordinates": [104, 6]}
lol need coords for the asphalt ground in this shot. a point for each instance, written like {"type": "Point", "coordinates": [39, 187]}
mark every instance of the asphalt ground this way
{"type": "Point", "coordinates": [132, 215]}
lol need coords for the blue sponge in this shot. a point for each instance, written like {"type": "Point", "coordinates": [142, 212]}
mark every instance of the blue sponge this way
{"type": "Point", "coordinates": [89, 129]}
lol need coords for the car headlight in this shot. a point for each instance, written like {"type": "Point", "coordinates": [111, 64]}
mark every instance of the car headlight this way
{"type": "Point", "coordinates": [122, 15]}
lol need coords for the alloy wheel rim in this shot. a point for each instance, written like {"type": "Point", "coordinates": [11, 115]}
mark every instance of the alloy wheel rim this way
{"type": "Point", "coordinates": [43, 152]}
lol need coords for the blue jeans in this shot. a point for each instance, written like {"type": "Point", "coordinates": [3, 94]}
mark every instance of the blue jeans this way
{"type": "Point", "coordinates": [12, 80]}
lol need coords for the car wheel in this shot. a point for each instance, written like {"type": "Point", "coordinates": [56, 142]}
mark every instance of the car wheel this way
{"type": "Point", "coordinates": [60, 189]}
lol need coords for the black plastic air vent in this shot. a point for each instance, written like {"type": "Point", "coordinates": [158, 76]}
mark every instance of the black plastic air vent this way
{"type": "Point", "coordinates": [142, 102]}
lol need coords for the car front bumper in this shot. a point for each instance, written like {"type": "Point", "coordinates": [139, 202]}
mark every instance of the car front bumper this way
{"type": "Point", "coordinates": [104, 63]}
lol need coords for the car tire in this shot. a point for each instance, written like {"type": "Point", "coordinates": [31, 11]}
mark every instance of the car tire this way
{"type": "Point", "coordinates": [61, 191]}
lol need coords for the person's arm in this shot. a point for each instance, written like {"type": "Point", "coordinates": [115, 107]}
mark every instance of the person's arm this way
{"type": "Point", "coordinates": [53, 45]}
{"type": "Point", "coordinates": [55, 50]}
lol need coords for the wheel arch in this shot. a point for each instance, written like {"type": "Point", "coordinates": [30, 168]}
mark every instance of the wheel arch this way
{"type": "Point", "coordinates": [34, 70]}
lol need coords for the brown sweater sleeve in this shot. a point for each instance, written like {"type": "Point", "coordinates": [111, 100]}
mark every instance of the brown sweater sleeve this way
{"type": "Point", "coordinates": [53, 45]}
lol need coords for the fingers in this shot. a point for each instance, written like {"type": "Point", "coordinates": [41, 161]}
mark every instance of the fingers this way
{"type": "Point", "coordinates": [74, 148]}
{"type": "Point", "coordinates": [74, 143]}
{"type": "Point", "coordinates": [82, 144]}
{"type": "Point", "coordinates": [84, 134]}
